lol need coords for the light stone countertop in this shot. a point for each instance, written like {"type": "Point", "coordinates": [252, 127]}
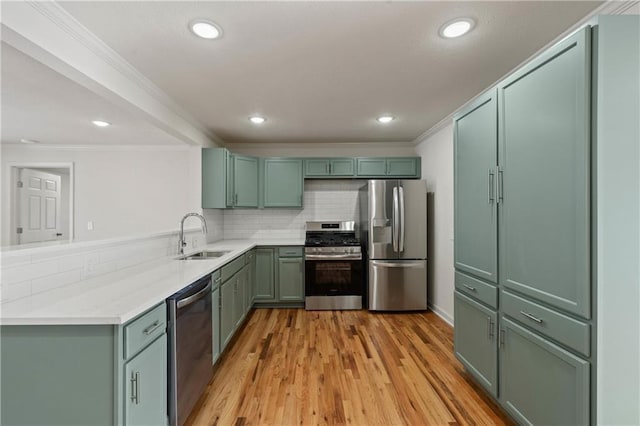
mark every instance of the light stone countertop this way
{"type": "Point", "coordinates": [118, 297]}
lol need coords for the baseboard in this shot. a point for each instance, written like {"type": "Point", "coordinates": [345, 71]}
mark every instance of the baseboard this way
{"type": "Point", "coordinates": [442, 314]}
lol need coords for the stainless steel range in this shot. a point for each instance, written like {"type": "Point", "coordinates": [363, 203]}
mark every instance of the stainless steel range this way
{"type": "Point", "coordinates": [333, 266]}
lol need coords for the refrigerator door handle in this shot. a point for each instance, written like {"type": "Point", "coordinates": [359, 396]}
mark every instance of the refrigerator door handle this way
{"type": "Point", "coordinates": [403, 264]}
{"type": "Point", "coordinates": [395, 231]}
{"type": "Point", "coordinates": [401, 211]}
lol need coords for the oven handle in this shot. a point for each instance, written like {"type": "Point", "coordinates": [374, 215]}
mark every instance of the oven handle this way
{"type": "Point", "coordinates": [332, 256]}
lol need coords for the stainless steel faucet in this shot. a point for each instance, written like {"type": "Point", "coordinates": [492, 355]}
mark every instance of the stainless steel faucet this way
{"type": "Point", "coordinates": [181, 242]}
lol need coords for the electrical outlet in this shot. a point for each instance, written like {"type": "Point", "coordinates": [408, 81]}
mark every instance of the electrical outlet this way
{"type": "Point", "coordinates": [90, 226]}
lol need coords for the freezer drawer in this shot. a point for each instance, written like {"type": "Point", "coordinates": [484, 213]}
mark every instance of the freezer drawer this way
{"type": "Point", "coordinates": [397, 285]}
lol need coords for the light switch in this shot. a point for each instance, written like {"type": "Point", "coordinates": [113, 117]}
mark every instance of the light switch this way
{"type": "Point", "coordinates": [90, 226]}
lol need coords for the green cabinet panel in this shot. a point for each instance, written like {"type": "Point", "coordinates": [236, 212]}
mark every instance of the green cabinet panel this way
{"type": "Point", "coordinates": [291, 279]}
{"type": "Point", "coordinates": [265, 289]}
{"type": "Point", "coordinates": [541, 383]}
{"type": "Point", "coordinates": [146, 386]}
{"type": "Point", "coordinates": [544, 177]}
{"type": "Point", "coordinates": [239, 301]}
{"type": "Point", "coordinates": [245, 181]}
{"type": "Point", "coordinates": [215, 323]}
{"type": "Point", "coordinates": [371, 166]}
{"type": "Point", "coordinates": [228, 180]}
{"type": "Point", "coordinates": [475, 341]}
{"type": "Point", "coordinates": [251, 277]}
{"type": "Point", "coordinates": [60, 375]}
{"type": "Point", "coordinates": [329, 167]}
{"type": "Point", "coordinates": [475, 179]}
{"type": "Point", "coordinates": [283, 182]}
{"type": "Point", "coordinates": [397, 167]}
{"type": "Point", "coordinates": [227, 301]}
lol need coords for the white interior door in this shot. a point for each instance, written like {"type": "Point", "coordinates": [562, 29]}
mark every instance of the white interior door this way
{"type": "Point", "coordinates": [38, 206]}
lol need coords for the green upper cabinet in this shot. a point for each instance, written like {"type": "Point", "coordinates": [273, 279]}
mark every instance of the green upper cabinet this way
{"type": "Point", "coordinates": [329, 167]}
{"type": "Point", "coordinates": [283, 182]}
{"type": "Point", "coordinates": [228, 180]}
{"type": "Point", "coordinates": [544, 177]}
{"type": "Point", "coordinates": [397, 167]}
{"type": "Point", "coordinates": [475, 174]}
{"type": "Point", "coordinates": [245, 181]}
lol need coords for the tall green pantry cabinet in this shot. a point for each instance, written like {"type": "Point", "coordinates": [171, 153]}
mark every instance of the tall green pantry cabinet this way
{"type": "Point", "coordinates": [522, 237]}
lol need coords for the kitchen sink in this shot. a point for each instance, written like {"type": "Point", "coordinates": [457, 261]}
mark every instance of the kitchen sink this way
{"type": "Point", "coordinates": [205, 254]}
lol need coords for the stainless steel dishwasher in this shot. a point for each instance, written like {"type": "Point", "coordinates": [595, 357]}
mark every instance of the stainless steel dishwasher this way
{"type": "Point", "coordinates": [190, 348]}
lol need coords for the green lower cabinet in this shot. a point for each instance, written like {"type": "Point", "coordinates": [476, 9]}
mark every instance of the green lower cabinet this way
{"type": "Point", "coordinates": [265, 289]}
{"type": "Point", "coordinates": [475, 341]}
{"type": "Point", "coordinates": [215, 323]}
{"type": "Point", "coordinates": [251, 278]}
{"type": "Point", "coordinates": [227, 323]}
{"type": "Point", "coordinates": [239, 301]}
{"type": "Point", "coordinates": [146, 386]}
{"type": "Point", "coordinates": [541, 383]}
{"type": "Point", "coordinates": [291, 279]}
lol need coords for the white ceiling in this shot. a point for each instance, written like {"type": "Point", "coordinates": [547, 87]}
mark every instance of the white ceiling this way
{"type": "Point", "coordinates": [322, 71]}
{"type": "Point", "coordinates": [319, 71]}
{"type": "Point", "coordinates": [40, 104]}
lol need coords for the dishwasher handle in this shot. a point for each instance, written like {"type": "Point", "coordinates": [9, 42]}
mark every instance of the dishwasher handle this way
{"type": "Point", "coordinates": [194, 297]}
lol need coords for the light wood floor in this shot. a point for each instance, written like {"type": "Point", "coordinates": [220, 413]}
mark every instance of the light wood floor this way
{"type": "Point", "coordinates": [291, 366]}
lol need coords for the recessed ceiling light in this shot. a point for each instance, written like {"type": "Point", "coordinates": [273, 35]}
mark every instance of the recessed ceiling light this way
{"type": "Point", "coordinates": [457, 27]}
{"type": "Point", "coordinates": [384, 119]}
{"type": "Point", "coordinates": [29, 141]}
{"type": "Point", "coordinates": [101, 123]}
{"type": "Point", "coordinates": [205, 29]}
{"type": "Point", "coordinates": [256, 119]}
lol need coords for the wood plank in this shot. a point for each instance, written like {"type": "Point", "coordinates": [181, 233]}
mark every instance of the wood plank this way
{"type": "Point", "coordinates": [291, 366]}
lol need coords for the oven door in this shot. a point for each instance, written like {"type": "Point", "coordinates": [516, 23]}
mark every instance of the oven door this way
{"type": "Point", "coordinates": [333, 276]}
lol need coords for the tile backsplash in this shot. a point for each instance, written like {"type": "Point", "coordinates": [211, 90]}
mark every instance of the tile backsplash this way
{"type": "Point", "coordinates": [31, 271]}
{"type": "Point", "coordinates": [323, 200]}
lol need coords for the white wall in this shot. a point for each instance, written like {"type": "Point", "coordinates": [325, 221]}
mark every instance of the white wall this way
{"type": "Point", "coordinates": [371, 149]}
{"type": "Point", "coordinates": [437, 169]}
{"type": "Point", "coordinates": [122, 191]}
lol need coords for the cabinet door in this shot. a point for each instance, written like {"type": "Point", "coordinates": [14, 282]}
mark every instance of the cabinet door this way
{"type": "Point", "coordinates": [475, 341]}
{"type": "Point", "coordinates": [291, 279]}
{"type": "Point", "coordinates": [407, 167]}
{"type": "Point", "coordinates": [316, 167]}
{"type": "Point", "coordinates": [214, 178]}
{"type": "Point", "coordinates": [227, 323]}
{"type": "Point", "coordinates": [541, 383]}
{"type": "Point", "coordinates": [146, 386]}
{"type": "Point", "coordinates": [371, 166]}
{"type": "Point", "coordinates": [215, 322]}
{"type": "Point", "coordinates": [341, 167]}
{"type": "Point", "coordinates": [283, 182]}
{"type": "Point", "coordinates": [475, 211]}
{"type": "Point", "coordinates": [265, 289]}
{"type": "Point", "coordinates": [245, 183]}
{"type": "Point", "coordinates": [251, 277]}
{"type": "Point", "coordinates": [544, 177]}
{"type": "Point", "coordinates": [239, 299]}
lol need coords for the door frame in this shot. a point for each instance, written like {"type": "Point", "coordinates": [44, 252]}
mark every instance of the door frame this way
{"type": "Point", "coordinates": [12, 170]}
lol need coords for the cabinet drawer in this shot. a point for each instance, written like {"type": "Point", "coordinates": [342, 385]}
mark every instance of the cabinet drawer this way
{"type": "Point", "coordinates": [486, 293]}
{"type": "Point", "coordinates": [232, 267]}
{"type": "Point", "coordinates": [566, 330]}
{"type": "Point", "coordinates": [290, 251]}
{"type": "Point", "coordinates": [143, 330]}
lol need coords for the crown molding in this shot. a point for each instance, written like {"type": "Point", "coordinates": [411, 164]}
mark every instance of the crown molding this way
{"type": "Point", "coordinates": [607, 8]}
{"type": "Point", "coordinates": [323, 145]}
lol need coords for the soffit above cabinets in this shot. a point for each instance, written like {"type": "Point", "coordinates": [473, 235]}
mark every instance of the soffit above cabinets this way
{"type": "Point", "coordinates": [323, 71]}
{"type": "Point", "coordinates": [40, 104]}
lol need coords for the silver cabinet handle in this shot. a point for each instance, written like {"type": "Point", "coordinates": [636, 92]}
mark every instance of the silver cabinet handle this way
{"type": "Point", "coordinates": [500, 187]}
{"type": "Point", "coordinates": [489, 327]}
{"type": "Point", "coordinates": [469, 287]}
{"type": "Point", "coordinates": [490, 185]}
{"type": "Point", "coordinates": [147, 331]}
{"type": "Point", "coordinates": [502, 336]}
{"type": "Point", "coordinates": [236, 200]}
{"type": "Point", "coordinates": [531, 317]}
{"type": "Point", "coordinates": [329, 168]}
{"type": "Point", "coordinates": [135, 387]}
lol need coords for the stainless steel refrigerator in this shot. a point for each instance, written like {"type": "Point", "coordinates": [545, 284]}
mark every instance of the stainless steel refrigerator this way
{"type": "Point", "coordinates": [393, 229]}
